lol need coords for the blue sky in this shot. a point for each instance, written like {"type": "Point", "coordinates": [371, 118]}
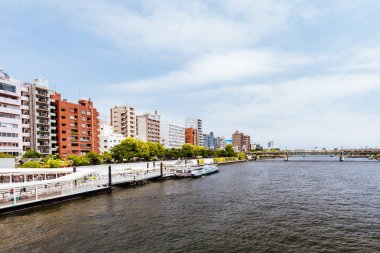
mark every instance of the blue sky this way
{"type": "Point", "coordinates": [302, 73]}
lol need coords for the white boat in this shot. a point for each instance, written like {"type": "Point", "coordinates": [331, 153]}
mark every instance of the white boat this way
{"type": "Point", "coordinates": [204, 170]}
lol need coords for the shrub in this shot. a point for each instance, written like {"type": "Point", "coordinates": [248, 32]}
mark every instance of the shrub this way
{"type": "Point", "coordinates": [5, 155]}
{"type": "Point", "coordinates": [31, 164]}
{"type": "Point", "coordinates": [219, 160]}
{"type": "Point", "coordinates": [53, 163]}
{"type": "Point", "coordinates": [241, 156]}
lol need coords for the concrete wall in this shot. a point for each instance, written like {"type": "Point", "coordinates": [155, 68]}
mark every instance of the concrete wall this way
{"type": "Point", "coordinates": [7, 163]}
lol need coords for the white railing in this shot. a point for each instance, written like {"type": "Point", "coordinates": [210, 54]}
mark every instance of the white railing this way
{"type": "Point", "coordinates": [34, 185]}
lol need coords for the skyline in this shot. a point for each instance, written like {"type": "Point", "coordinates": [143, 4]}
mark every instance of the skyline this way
{"type": "Point", "coordinates": [303, 75]}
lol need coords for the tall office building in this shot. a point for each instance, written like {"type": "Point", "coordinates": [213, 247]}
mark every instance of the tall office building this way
{"type": "Point", "coordinates": [196, 124]}
{"type": "Point", "coordinates": [148, 127]}
{"type": "Point", "coordinates": [42, 117]}
{"type": "Point", "coordinates": [172, 135]}
{"type": "Point", "coordinates": [78, 126]}
{"type": "Point", "coordinates": [123, 121]}
{"type": "Point", "coordinates": [11, 135]}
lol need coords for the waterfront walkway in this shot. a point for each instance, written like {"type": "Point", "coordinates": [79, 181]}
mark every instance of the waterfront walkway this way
{"type": "Point", "coordinates": [23, 187]}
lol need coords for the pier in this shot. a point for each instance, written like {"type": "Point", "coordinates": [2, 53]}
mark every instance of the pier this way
{"type": "Point", "coordinates": [23, 188]}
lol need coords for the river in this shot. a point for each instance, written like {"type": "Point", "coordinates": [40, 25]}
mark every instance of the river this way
{"type": "Point", "coordinates": [304, 205]}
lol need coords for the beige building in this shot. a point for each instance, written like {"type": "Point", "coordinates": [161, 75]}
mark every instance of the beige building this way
{"type": "Point", "coordinates": [42, 117]}
{"type": "Point", "coordinates": [148, 127]}
{"type": "Point", "coordinates": [123, 121]}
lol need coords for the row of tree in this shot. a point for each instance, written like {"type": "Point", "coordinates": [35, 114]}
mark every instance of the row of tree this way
{"type": "Point", "coordinates": [130, 150]}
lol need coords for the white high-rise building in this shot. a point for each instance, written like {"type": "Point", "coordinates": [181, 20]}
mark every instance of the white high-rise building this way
{"type": "Point", "coordinates": [197, 124]}
{"type": "Point", "coordinates": [11, 133]}
{"type": "Point", "coordinates": [107, 137]}
{"type": "Point", "coordinates": [172, 135]}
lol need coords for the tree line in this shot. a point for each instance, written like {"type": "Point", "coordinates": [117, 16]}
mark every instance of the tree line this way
{"type": "Point", "coordinates": [129, 150]}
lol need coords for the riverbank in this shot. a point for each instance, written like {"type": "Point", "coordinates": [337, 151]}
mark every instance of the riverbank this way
{"type": "Point", "coordinates": [34, 190]}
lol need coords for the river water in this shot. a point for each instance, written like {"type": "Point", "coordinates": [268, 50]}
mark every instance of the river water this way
{"type": "Point", "coordinates": [268, 206]}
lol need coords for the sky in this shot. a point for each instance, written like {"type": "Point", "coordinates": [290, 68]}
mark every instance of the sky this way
{"type": "Point", "coordinates": [301, 73]}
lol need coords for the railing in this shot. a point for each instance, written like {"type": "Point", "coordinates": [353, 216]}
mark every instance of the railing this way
{"type": "Point", "coordinates": [19, 187]}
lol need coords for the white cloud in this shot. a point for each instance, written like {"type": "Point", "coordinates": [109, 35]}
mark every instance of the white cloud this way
{"type": "Point", "coordinates": [219, 68]}
{"type": "Point", "coordinates": [180, 26]}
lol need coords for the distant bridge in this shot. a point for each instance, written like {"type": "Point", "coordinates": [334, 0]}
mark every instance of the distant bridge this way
{"type": "Point", "coordinates": [344, 153]}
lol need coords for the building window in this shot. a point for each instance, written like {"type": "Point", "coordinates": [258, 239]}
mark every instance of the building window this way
{"type": "Point", "coordinates": [8, 87]}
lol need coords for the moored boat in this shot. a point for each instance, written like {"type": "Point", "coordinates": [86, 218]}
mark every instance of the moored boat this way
{"type": "Point", "coordinates": [204, 171]}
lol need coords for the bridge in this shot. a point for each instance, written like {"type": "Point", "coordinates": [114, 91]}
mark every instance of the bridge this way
{"type": "Point", "coordinates": [342, 153]}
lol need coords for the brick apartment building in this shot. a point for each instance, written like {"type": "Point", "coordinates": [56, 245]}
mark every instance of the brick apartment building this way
{"type": "Point", "coordinates": [77, 126]}
{"type": "Point", "coordinates": [191, 136]}
{"type": "Point", "coordinates": [241, 141]}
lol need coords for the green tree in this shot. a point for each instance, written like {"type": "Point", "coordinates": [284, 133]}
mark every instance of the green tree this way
{"type": "Point", "coordinates": [156, 150]}
{"type": "Point", "coordinates": [125, 151]}
{"type": "Point", "coordinates": [220, 153]}
{"type": "Point", "coordinates": [188, 150]}
{"type": "Point", "coordinates": [229, 151]}
{"type": "Point", "coordinates": [106, 157]}
{"type": "Point", "coordinates": [143, 150]}
{"type": "Point", "coordinates": [32, 154]}
{"type": "Point", "coordinates": [79, 160]}
{"type": "Point", "coordinates": [94, 158]}
{"type": "Point", "coordinates": [199, 150]}
{"type": "Point", "coordinates": [173, 153]}
{"type": "Point", "coordinates": [31, 164]}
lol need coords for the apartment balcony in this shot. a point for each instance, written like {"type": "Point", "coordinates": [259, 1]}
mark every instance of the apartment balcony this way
{"type": "Point", "coordinates": [43, 136]}
{"type": "Point", "coordinates": [42, 108]}
{"type": "Point", "coordinates": [42, 129]}
{"type": "Point", "coordinates": [25, 116]}
{"type": "Point", "coordinates": [42, 122]}
{"type": "Point", "coordinates": [24, 98]}
{"type": "Point", "coordinates": [44, 151]}
{"type": "Point", "coordinates": [24, 107]}
{"type": "Point", "coordinates": [26, 143]}
{"type": "Point", "coordinates": [25, 125]}
{"type": "Point", "coordinates": [25, 134]}
{"type": "Point", "coordinates": [43, 144]}
{"type": "Point", "coordinates": [40, 115]}
{"type": "Point", "coordinates": [42, 94]}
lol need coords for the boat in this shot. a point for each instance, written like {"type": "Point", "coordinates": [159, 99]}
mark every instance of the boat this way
{"type": "Point", "coordinates": [204, 171]}
{"type": "Point", "coordinates": [182, 173]}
